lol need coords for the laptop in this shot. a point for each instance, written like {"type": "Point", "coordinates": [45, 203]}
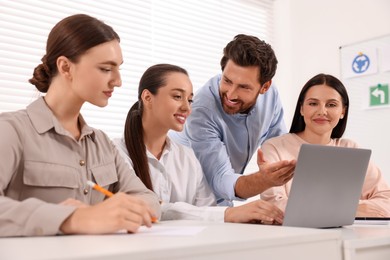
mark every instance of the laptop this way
{"type": "Point", "coordinates": [326, 187]}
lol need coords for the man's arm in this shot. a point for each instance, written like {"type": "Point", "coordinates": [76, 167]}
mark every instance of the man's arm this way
{"type": "Point", "coordinates": [202, 131]}
{"type": "Point", "coordinates": [269, 175]}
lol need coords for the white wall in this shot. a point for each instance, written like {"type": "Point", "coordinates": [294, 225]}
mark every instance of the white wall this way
{"type": "Point", "coordinates": [307, 40]}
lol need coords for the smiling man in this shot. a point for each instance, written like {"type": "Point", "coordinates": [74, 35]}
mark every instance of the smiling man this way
{"type": "Point", "coordinates": [232, 115]}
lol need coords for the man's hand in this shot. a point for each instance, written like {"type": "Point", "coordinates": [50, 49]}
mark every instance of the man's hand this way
{"type": "Point", "coordinates": [269, 175]}
{"type": "Point", "coordinates": [275, 174]}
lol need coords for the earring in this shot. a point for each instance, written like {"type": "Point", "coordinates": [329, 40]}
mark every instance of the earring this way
{"type": "Point", "coordinates": [342, 116]}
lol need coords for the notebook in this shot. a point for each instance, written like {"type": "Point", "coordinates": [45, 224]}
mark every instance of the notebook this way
{"type": "Point", "coordinates": [326, 187]}
{"type": "Point", "coordinates": [372, 221]}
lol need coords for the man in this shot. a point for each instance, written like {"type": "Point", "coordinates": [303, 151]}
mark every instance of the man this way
{"type": "Point", "coordinates": [232, 115]}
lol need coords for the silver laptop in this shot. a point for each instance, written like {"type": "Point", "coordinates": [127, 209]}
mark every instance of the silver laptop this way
{"type": "Point", "coordinates": [326, 187]}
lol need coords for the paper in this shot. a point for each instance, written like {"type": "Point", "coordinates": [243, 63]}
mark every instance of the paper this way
{"type": "Point", "coordinates": [157, 230]}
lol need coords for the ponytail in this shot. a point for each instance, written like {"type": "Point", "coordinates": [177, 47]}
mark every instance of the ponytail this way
{"type": "Point", "coordinates": [134, 140]}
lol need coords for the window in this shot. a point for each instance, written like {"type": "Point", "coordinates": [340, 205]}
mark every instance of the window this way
{"type": "Point", "coordinates": [188, 33]}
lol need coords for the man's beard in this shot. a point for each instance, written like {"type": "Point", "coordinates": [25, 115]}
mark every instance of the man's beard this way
{"type": "Point", "coordinates": [238, 108]}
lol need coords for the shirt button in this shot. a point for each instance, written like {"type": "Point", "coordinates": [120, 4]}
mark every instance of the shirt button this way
{"type": "Point", "coordinates": [82, 162]}
{"type": "Point", "coordinates": [86, 191]}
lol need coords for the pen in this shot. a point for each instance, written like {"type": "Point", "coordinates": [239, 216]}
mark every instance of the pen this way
{"type": "Point", "coordinates": [109, 193]}
{"type": "Point", "coordinates": [100, 188]}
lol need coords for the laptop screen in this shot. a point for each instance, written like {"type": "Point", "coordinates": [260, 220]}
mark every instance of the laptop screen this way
{"type": "Point", "coordinates": [326, 187]}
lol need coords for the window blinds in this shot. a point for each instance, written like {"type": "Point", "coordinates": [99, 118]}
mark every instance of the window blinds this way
{"type": "Point", "coordinates": [188, 33]}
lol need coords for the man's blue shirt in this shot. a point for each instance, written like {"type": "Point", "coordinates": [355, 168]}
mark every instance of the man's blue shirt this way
{"type": "Point", "coordinates": [223, 143]}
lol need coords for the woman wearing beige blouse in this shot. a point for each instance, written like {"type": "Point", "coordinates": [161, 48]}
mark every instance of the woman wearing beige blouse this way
{"type": "Point", "coordinates": [320, 118]}
{"type": "Point", "coordinates": [48, 152]}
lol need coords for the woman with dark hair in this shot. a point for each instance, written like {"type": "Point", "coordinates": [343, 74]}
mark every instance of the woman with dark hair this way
{"type": "Point", "coordinates": [321, 117]}
{"type": "Point", "coordinates": [48, 152]}
{"type": "Point", "coordinates": [170, 169]}
{"type": "Point", "coordinates": [298, 124]}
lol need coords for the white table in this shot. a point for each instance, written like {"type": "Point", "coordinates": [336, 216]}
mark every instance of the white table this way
{"type": "Point", "coordinates": [216, 241]}
{"type": "Point", "coordinates": [370, 242]}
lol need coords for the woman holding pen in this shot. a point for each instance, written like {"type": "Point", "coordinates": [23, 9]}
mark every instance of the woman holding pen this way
{"type": "Point", "coordinates": [169, 169]}
{"type": "Point", "coordinates": [49, 153]}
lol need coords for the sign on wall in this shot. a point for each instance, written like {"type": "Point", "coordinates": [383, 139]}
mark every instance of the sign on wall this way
{"type": "Point", "coordinates": [365, 70]}
{"type": "Point", "coordinates": [359, 62]}
{"type": "Point", "coordinates": [379, 95]}
{"type": "Point", "coordinates": [365, 66]}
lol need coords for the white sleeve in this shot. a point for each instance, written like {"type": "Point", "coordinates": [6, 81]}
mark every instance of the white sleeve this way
{"type": "Point", "coordinates": [182, 210]}
{"type": "Point", "coordinates": [203, 206]}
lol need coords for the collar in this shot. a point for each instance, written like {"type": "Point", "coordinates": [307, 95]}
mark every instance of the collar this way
{"type": "Point", "coordinates": [166, 150]}
{"type": "Point", "coordinates": [43, 120]}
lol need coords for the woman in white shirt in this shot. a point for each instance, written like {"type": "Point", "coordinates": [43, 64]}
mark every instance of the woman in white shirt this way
{"type": "Point", "coordinates": [169, 169]}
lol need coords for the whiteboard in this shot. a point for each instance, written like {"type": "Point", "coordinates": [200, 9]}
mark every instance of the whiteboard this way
{"type": "Point", "coordinates": [365, 72]}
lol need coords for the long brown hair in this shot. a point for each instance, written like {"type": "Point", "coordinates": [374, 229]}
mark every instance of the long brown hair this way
{"type": "Point", "coordinates": [70, 37]}
{"type": "Point", "coordinates": [152, 79]}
